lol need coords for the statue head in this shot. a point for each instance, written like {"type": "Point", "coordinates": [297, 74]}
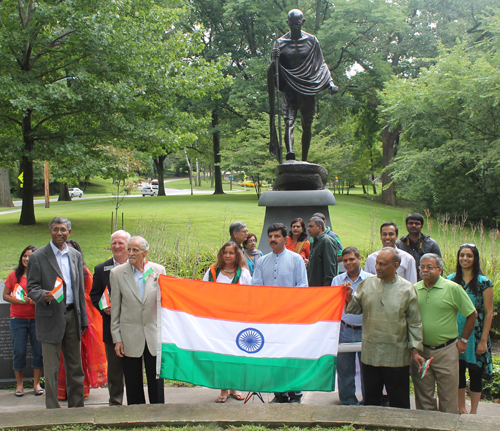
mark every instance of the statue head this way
{"type": "Point", "coordinates": [295, 20]}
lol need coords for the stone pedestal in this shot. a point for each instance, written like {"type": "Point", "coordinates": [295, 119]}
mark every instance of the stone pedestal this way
{"type": "Point", "coordinates": [295, 175]}
{"type": "Point", "coordinates": [284, 206]}
{"type": "Point", "coordinates": [7, 377]}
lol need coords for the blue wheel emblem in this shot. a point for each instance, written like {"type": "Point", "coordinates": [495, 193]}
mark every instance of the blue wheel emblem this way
{"type": "Point", "coordinates": [250, 340]}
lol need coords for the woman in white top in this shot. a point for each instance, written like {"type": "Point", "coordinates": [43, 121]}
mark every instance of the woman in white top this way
{"type": "Point", "coordinates": [230, 268]}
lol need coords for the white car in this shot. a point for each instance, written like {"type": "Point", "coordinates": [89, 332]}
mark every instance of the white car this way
{"type": "Point", "coordinates": [74, 191]}
{"type": "Point", "coordinates": [149, 191]}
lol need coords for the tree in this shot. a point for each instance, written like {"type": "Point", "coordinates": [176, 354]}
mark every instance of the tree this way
{"type": "Point", "coordinates": [5, 197]}
{"type": "Point", "coordinates": [448, 158]}
{"type": "Point", "coordinates": [93, 69]}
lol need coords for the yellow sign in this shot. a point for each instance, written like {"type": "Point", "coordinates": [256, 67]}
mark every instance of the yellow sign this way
{"type": "Point", "coordinates": [20, 178]}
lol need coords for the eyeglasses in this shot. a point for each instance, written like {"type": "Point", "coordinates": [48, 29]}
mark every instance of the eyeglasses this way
{"type": "Point", "coordinates": [468, 246]}
{"type": "Point", "coordinates": [430, 268]}
{"type": "Point", "coordinates": [56, 230]}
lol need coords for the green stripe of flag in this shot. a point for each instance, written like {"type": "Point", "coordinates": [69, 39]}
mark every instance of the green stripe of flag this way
{"type": "Point", "coordinates": [218, 371]}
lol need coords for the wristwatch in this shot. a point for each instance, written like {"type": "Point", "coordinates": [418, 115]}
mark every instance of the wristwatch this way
{"type": "Point", "coordinates": [464, 340]}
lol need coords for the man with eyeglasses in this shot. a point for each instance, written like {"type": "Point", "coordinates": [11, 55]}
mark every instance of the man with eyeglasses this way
{"type": "Point", "coordinates": [392, 330]}
{"type": "Point", "coordinates": [61, 317]}
{"type": "Point", "coordinates": [416, 243]}
{"type": "Point", "coordinates": [440, 300]}
{"type": "Point", "coordinates": [238, 232]}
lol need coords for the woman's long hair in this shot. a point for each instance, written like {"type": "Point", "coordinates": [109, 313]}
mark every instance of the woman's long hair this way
{"type": "Point", "coordinates": [476, 269]}
{"type": "Point", "coordinates": [303, 235]}
{"type": "Point", "coordinates": [240, 260]}
{"type": "Point", "coordinates": [19, 271]}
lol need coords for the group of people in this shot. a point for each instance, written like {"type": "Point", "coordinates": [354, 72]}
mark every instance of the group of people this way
{"type": "Point", "coordinates": [409, 318]}
{"type": "Point", "coordinates": [415, 322]}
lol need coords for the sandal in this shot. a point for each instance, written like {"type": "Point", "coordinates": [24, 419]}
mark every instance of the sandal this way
{"type": "Point", "coordinates": [38, 392]}
{"type": "Point", "coordinates": [237, 395]}
{"type": "Point", "coordinates": [221, 399]}
{"type": "Point", "coordinates": [19, 393]}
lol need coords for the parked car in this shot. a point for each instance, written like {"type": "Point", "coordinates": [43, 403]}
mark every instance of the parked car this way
{"type": "Point", "coordinates": [155, 184]}
{"type": "Point", "coordinates": [75, 191]}
{"type": "Point", "coordinates": [149, 191]}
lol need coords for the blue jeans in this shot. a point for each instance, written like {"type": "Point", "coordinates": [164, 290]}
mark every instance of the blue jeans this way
{"type": "Point", "coordinates": [20, 329]}
{"type": "Point", "coordinates": [346, 367]}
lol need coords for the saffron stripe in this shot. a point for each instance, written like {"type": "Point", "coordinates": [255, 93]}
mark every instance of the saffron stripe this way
{"type": "Point", "coordinates": [259, 304]}
{"type": "Point", "coordinates": [217, 371]}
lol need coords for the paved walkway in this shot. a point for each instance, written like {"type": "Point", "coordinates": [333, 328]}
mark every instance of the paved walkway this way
{"type": "Point", "coordinates": [196, 406]}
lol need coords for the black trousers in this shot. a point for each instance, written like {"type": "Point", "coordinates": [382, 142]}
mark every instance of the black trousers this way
{"type": "Point", "coordinates": [132, 370]}
{"type": "Point", "coordinates": [396, 381]}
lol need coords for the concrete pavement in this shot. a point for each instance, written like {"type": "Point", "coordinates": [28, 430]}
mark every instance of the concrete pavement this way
{"type": "Point", "coordinates": [196, 405]}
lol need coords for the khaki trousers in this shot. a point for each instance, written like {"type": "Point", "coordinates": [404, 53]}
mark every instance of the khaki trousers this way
{"type": "Point", "coordinates": [443, 370]}
{"type": "Point", "coordinates": [115, 376]}
{"type": "Point", "coordinates": [70, 345]}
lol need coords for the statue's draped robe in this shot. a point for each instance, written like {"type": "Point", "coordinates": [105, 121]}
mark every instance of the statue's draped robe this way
{"type": "Point", "coordinates": [311, 77]}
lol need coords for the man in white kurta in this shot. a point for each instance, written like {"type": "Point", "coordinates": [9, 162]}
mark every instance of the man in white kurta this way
{"type": "Point", "coordinates": [281, 267]}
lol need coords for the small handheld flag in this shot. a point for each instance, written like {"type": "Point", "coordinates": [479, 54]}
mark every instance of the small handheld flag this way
{"type": "Point", "coordinates": [147, 271]}
{"type": "Point", "coordinates": [19, 293]}
{"type": "Point", "coordinates": [426, 367]}
{"type": "Point", "coordinates": [58, 292]}
{"type": "Point", "coordinates": [104, 302]}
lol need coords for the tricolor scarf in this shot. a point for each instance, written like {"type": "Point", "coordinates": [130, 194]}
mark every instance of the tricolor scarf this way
{"type": "Point", "coordinates": [214, 272]}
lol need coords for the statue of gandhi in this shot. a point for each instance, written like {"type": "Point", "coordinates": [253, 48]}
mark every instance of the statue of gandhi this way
{"type": "Point", "coordinates": [302, 73]}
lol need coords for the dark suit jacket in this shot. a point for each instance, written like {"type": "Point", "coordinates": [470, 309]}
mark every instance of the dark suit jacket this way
{"type": "Point", "coordinates": [101, 280]}
{"type": "Point", "coordinates": [50, 318]}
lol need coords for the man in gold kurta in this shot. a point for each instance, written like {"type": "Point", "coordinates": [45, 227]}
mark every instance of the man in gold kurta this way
{"type": "Point", "coordinates": [392, 331]}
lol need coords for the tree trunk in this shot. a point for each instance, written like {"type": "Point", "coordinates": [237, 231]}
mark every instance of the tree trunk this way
{"type": "Point", "coordinates": [217, 158]}
{"type": "Point", "coordinates": [389, 142]}
{"type": "Point", "coordinates": [198, 173]}
{"type": "Point", "coordinates": [211, 176]}
{"type": "Point", "coordinates": [190, 171]}
{"type": "Point", "coordinates": [28, 206]}
{"type": "Point", "coordinates": [5, 197]}
{"type": "Point", "coordinates": [63, 193]}
{"type": "Point", "coordinates": [161, 174]}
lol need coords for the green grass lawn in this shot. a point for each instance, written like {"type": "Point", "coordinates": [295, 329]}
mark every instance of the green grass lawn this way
{"type": "Point", "coordinates": [205, 218]}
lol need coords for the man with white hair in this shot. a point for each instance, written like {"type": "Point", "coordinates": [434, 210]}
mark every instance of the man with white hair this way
{"type": "Point", "coordinates": [133, 321]}
{"type": "Point", "coordinates": [100, 283]}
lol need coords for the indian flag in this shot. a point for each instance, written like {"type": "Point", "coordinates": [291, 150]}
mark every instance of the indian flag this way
{"type": "Point", "coordinates": [104, 302]}
{"type": "Point", "coordinates": [19, 293]}
{"type": "Point", "coordinates": [58, 291]}
{"type": "Point", "coordinates": [147, 271]}
{"type": "Point", "coordinates": [252, 338]}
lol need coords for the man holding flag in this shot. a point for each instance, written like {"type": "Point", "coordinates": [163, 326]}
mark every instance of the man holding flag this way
{"type": "Point", "coordinates": [133, 320]}
{"type": "Point", "coordinates": [281, 267]}
{"type": "Point", "coordinates": [55, 283]}
{"type": "Point", "coordinates": [100, 295]}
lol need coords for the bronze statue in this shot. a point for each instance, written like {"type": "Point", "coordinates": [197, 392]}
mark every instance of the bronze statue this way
{"type": "Point", "coordinates": [298, 71]}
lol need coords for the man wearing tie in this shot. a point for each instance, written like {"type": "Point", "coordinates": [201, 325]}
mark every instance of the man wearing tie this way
{"type": "Point", "coordinates": [133, 321]}
{"type": "Point", "coordinates": [100, 282]}
{"type": "Point", "coordinates": [59, 321]}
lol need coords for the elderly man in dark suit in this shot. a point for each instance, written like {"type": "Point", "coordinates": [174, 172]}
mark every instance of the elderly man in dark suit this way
{"type": "Point", "coordinates": [133, 321]}
{"type": "Point", "coordinates": [119, 241]}
{"type": "Point", "coordinates": [59, 321]}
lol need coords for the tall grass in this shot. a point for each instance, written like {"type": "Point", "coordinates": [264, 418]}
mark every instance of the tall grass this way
{"type": "Point", "coordinates": [178, 251]}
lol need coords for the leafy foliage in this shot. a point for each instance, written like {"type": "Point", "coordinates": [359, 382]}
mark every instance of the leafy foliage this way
{"type": "Point", "coordinates": [448, 160]}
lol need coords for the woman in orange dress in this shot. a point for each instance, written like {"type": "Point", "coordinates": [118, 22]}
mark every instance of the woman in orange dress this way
{"type": "Point", "coordinates": [297, 239]}
{"type": "Point", "coordinates": [94, 362]}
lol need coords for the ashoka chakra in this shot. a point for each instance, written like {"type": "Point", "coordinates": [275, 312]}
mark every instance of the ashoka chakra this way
{"type": "Point", "coordinates": [250, 340]}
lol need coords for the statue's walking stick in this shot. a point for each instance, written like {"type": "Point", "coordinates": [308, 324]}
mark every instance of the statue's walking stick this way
{"type": "Point", "coordinates": [280, 154]}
